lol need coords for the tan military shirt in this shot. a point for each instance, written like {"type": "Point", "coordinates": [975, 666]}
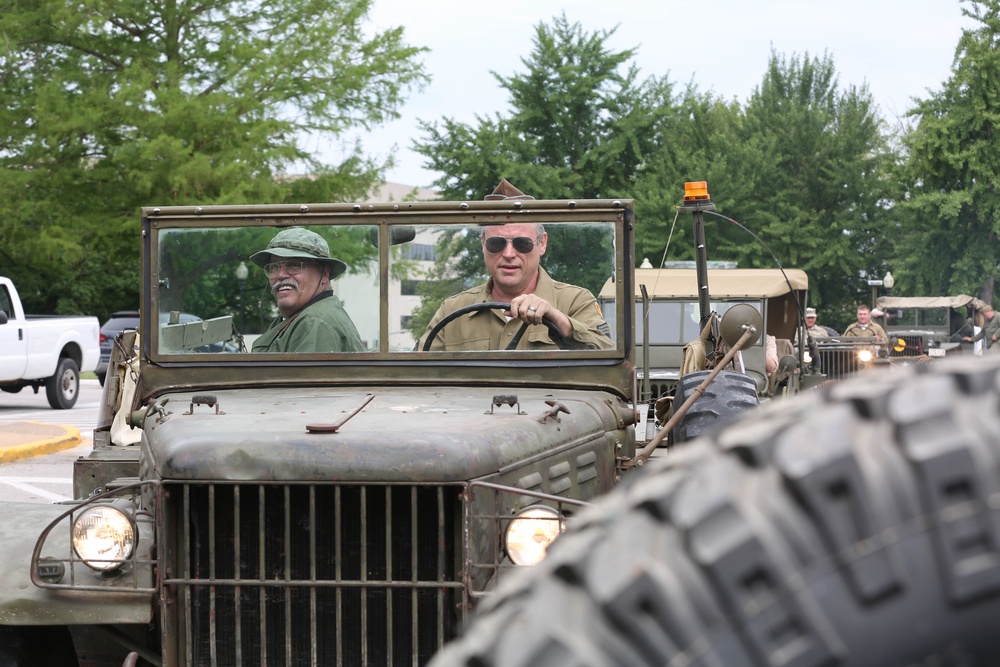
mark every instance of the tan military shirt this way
{"type": "Point", "coordinates": [871, 330]}
{"type": "Point", "coordinates": [816, 331]}
{"type": "Point", "coordinates": [490, 329]}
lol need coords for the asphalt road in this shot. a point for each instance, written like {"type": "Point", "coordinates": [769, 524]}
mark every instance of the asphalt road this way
{"type": "Point", "coordinates": [49, 478]}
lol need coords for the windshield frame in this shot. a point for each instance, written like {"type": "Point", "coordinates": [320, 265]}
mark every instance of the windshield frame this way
{"type": "Point", "coordinates": [174, 368]}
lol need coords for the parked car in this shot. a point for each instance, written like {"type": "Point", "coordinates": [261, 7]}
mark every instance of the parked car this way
{"type": "Point", "coordinates": [124, 320]}
{"type": "Point", "coordinates": [47, 351]}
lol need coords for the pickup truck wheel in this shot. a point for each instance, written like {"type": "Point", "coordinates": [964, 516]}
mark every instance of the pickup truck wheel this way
{"type": "Point", "coordinates": [856, 525]}
{"type": "Point", "coordinates": [727, 396]}
{"type": "Point", "coordinates": [31, 646]}
{"type": "Point", "coordinates": [63, 388]}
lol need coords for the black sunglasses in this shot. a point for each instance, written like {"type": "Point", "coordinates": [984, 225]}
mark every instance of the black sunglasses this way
{"type": "Point", "coordinates": [497, 244]}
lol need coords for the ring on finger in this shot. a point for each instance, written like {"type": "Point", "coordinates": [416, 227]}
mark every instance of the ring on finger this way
{"type": "Point", "coordinates": [532, 309]}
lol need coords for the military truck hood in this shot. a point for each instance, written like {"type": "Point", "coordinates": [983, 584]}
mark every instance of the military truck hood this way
{"type": "Point", "coordinates": [380, 434]}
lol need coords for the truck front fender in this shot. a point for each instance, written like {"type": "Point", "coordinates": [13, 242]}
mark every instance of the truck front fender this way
{"type": "Point", "coordinates": [24, 603]}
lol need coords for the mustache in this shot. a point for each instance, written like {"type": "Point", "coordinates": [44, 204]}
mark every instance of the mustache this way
{"type": "Point", "coordinates": [283, 283]}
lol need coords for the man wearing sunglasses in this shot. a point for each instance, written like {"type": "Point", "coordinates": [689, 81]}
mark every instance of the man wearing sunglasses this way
{"type": "Point", "coordinates": [300, 269]}
{"type": "Point", "coordinates": [512, 254]}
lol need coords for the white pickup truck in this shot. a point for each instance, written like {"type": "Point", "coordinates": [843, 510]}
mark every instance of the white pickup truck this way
{"type": "Point", "coordinates": [44, 350]}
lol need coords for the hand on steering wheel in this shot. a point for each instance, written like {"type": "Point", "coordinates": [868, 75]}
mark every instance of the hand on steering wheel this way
{"type": "Point", "coordinates": [554, 333]}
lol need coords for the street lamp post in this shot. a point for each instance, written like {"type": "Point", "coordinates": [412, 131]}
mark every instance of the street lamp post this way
{"type": "Point", "coordinates": [242, 273]}
{"type": "Point", "coordinates": [889, 281]}
{"type": "Point", "coordinates": [875, 284]}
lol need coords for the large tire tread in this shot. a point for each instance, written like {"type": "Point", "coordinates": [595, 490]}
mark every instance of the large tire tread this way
{"type": "Point", "coordinates": [726, 397]}
{"type": "Point", "coordinates": [857, 525]}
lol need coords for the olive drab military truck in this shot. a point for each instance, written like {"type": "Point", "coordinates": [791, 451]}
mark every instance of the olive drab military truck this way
{"type": "Point", "coordinates": [319, 508]}
{"type": "Point", "coordinates": [670, 295]}
{"type": "Point", "coordinates": [920, 329]}
{"type": "Point", "coordinates": [682, 336]}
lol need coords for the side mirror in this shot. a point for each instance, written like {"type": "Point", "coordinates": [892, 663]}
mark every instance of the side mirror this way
{"type": "Point", "coordinates": [734, 323]}
{"type": "Point", "coordinates": [787, 364]}
{"type": "Point", "coordinates": [397, 234]}
{"type": "Point", "coordinates": [3, 317]}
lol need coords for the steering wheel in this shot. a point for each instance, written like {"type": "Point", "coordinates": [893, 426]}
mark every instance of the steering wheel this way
{"type": "Point", "coordinates": [554, 333]}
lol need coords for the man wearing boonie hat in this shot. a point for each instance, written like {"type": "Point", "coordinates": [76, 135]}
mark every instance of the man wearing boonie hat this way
{"type": "Point", "coordinates": [512, 253]}
{"type": "Point", "coordinates": [300, 269]}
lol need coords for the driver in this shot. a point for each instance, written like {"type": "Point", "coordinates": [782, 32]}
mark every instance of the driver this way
{"type": "Point", "coordinates": [311, 318]}
{"type": "Point", "coordinates": [512, 253]}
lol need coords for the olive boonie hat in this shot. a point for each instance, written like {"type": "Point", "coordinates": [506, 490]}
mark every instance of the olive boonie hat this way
{"type": "Point", "coordinates": [299, 243]}
{"type": "Point", "coordinates": [506, 191]}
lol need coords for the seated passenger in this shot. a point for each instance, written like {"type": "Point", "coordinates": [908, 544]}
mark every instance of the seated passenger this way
{"type": "Point", "coordinates": [770, 354]}
{"type": "Point", "coordinates": [299, 268]}
{"type": "Point", "coordinates": [512, 254]}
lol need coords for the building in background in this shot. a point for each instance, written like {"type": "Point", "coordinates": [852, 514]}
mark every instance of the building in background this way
{"type": "Point", "coordinates": [403, 298]}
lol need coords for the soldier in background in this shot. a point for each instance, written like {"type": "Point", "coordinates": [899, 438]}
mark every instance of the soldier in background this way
{"type": "Point", "coordinates": [864, 327]}
{"type": "Point", "coordinates": [990, 331]}
{"type": "Point", "coordinates": [814, 329]}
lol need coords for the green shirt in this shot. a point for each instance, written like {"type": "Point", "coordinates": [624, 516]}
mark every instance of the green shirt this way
{"type": "Point", "coordinates": [991, 327]}
{"type": "Point", "coordinates": [322, 326]}
{"type": "Point", "coordinates": [490, 330]}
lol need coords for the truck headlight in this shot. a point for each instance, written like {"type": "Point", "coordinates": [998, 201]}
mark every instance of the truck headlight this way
{"type": "Point", "coordinates": [104, 537]}
{"type": "Point", "coordinates": [531, 533]}
{"type": "Point", "coordinates": [865, 356]}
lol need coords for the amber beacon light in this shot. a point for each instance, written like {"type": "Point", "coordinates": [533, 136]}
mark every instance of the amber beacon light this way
{"type": "Point", "coordinates": [696, 191]}
{"type": "Point", "coordinates": [696, 197]}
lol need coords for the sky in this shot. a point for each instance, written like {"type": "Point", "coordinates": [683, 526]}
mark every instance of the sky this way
{"type": "Point", "coordinates": [900, 49]}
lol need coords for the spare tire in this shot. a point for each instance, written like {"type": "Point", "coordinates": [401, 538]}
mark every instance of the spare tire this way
{"type": "Point", "coordinates": [855, 525]}
{"type": "Point", "coordinates": [727, 396]}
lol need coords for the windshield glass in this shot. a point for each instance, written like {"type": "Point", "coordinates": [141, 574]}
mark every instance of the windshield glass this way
{"type": "Point", "coordinates": [331, 289]}
{"type": "Point", "coordinates": [915, 318]}
{"type": "Point", "coordinates": [674, 322]}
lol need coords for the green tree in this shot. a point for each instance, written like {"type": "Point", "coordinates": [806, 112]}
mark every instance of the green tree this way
{"type": "Point", "coordinates": [950, 206]}
{"type": "Point", "coordinates": [697, 142]}
{"type": "Point", "coordinates": [809, 166]}
{"type": "Point", "coordinates": [581, 125]}
{"type": "Point", "coordinates": [114, 104]}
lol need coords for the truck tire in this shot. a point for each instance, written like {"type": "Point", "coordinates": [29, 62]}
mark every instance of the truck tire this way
{"type": "Point", "coordinates": [63, 388]}
{"type": "Point", "coordinates": [727, 396]}
{"type": "Point", "coordinates": [856, 525]}
{"type": "Point", "coordinates": [36, 646]}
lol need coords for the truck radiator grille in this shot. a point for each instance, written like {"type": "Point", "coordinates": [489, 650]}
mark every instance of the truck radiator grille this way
{"type": "Point", "coordinates": [914, 346]}
{"type": "Point", "coordinates": [307, 574]}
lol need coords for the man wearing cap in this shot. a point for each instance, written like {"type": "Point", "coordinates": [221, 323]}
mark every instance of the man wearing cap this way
{"type": "Point", "coordinates": [312, 319]}
{"type": "Point", "coordinates": [814, 330]}
{"type": "Point", "coordinates": [990, 330]}
{"type": "Point", "coordinates": [512, 254]}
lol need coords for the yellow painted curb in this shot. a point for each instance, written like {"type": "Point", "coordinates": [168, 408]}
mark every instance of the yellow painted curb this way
{"type": "Point", "coordinates": [69, 438]}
